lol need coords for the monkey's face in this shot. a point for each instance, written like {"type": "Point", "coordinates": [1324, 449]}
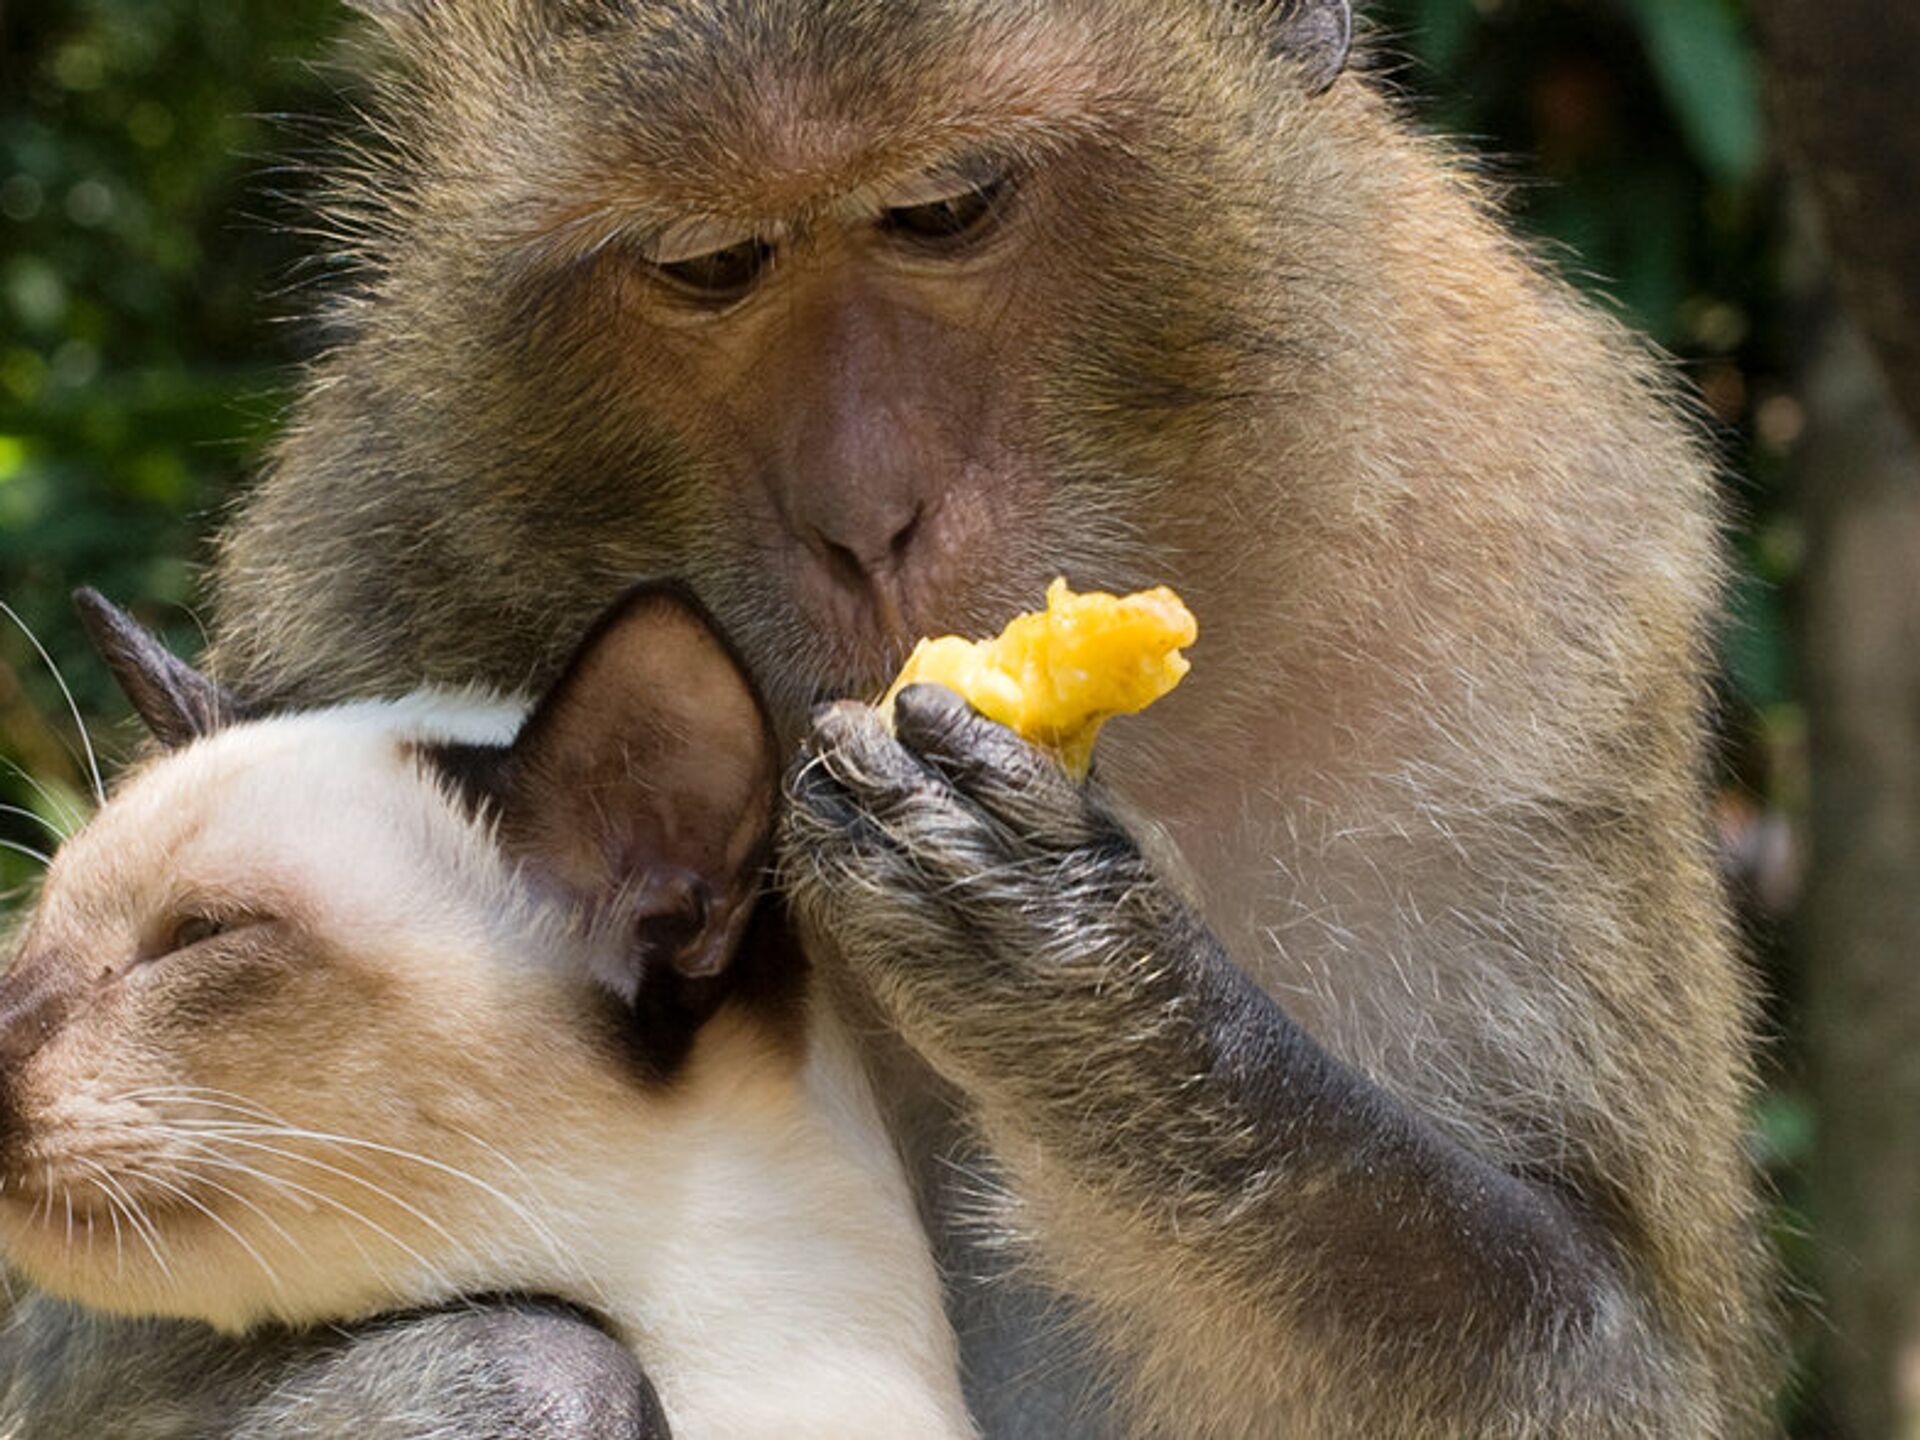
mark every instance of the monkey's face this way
{"type": "Point", "coordinates": [866, 319]}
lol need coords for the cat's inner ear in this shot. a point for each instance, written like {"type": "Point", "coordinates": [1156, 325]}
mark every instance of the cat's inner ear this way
{"type": "Point", "coordinates": [177, 702]}
{"type": "Point", "coordinates": [642, 787]}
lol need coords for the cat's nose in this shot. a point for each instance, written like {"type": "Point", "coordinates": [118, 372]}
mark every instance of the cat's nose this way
{"type": "Point", "coordinates": [32, 1008]}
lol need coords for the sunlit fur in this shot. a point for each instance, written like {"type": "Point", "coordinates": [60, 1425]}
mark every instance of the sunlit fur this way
{"type": "Point", "coordinates": [391, 1083]}
{"type": "Point", "coordinates": [1449, 536]}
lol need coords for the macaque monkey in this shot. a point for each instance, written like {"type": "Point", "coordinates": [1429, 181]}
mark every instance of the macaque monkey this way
{"type": "Point", "coordinates": [1363, 1053]}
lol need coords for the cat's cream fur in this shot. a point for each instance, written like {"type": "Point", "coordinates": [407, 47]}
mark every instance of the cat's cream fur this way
{"type": "Point", "coordinates": [392, 1081]}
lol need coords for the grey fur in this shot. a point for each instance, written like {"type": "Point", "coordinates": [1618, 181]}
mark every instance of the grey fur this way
{"type": "Point", "coordinates": [1001, 913]}
{"type": "Point", "coordinates": [511, 1370]}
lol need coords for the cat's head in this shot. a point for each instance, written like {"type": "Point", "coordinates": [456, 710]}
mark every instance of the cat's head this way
{"type": "Point", "coordinates": [317, 997]}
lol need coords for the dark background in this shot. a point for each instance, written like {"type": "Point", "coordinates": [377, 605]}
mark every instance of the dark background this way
{"type": "Point", "coordinates": [153, 253]}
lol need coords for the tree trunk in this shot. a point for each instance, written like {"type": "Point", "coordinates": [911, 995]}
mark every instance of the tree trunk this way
{"type": "Point", "coordinates": [1846, 90]}
{"type": "Point", "coordinates": [1846, 87]}
{"type": "Point", "coordinates": [1859, 481]}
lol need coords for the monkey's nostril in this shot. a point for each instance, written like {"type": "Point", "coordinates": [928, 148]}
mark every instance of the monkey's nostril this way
{"type": "Point", "coordinates": [903, 540]}
{"type": "Point", "coordinates": [873, 574]}
{"type": "Point", "coordinates": [846, 566]}
{"type": "Point", "coordinates": [858, 565]}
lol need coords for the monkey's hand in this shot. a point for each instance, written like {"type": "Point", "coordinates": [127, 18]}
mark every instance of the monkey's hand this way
{"type": "Point", "coordinates": [962, 874]}
{"type": "Point", "coordinates": [1241, 1209]}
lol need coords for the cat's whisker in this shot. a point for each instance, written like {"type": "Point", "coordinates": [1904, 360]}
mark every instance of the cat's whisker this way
{"type": "Point", "coordinates": [38, 819]}
{"type": "Point", "coordinates": [192, 1172]}
{"type": "Point", "coordinates": [207, 1153]}
{"type": "Point", "coordinates": [28, 851]}
{"type": "Point", "coordinates": [139, 1221]}
{"type": "Point", "coordinates": [427, 1267]}
{"type": "Point", "coordinates": [73, 817]}
{"type": "Point", "coordinates": [194, 1175]}
{"type": "Point", "coordinates": [394, 1200]}
{"type": "Point", "coordinates": [86, 740]}
{"type": "Point", "coordinates": [541, 1230]}
{"type": "Point", "coordinates": [225, 1100]}
{"type": "Point", "coordinates": [313, 1200]}
{"type": "Point", "coordinates": [187, 1198]}
{"type": "Point", "coordinates": [113, 1214]}
{"type": "Point", "coordinates": [258, 1125]}
{"type": "Point", "coordinates": [538, 1228]}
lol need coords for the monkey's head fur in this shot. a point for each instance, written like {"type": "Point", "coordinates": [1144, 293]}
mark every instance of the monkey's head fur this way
{"type": "Point", "coordinates": [865, 318]}
{"type": "Point", "coordinates": [868, 317]}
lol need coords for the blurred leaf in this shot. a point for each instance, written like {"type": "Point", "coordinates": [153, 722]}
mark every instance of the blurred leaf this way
{"type": "Point", "coordinates": [1709, 74]}
{"type": "Point", "coordinates": [1783, 1130]}
{"type": "Point", "coordinates": [1755, 642]}
{"type": "Point", "coordinates": [1444, 29]}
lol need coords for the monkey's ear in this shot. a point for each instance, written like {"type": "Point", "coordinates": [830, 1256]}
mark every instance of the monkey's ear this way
{"type": "Point", "coordinates": [178, 703]}
{"type": "Point", "coordinates": [642, 787]}
{"type": "Point", "coordinates": [1316, 35]}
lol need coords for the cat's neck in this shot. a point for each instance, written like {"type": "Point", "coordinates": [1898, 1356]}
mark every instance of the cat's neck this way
{"type": "Point", "coordinates": [753, 1238]}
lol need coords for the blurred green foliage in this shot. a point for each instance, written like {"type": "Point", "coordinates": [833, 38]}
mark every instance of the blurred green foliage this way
{"type": "Point", "coordinates": [139, 373]}
{"type": "Point", "coordinates": [144, 261]}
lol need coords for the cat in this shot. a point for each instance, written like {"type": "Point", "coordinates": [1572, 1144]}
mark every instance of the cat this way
{"type": "Point", "coordinates": [333, 1013]}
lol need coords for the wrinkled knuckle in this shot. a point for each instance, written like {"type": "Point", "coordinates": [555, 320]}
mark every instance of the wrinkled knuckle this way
{"type": "Point", "coordinates": [930, 712]}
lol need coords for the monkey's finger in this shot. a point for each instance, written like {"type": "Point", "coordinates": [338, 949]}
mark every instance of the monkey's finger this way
{"type": "Point", "coordinates": [868, 841]}
{"type": "Point", "coordinates": [1014, 782]}
{"type": "Point", "coordinates": [850, 744]}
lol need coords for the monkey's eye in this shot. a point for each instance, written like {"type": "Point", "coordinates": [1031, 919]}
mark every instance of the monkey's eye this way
{"type": "Point", "coordinates": [951, 221]}
{"type": "Point", "coordinates": [705, 263]}
{"type": "Point", "coordinates": [723, 275]}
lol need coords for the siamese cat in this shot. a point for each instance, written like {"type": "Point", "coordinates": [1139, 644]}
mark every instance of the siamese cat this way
{"type": "Point", "coordinates": [373, 1007]}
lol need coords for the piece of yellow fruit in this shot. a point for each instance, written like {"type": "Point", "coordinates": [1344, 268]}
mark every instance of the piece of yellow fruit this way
{"type": "Point", "coordinates": [1057, 675]}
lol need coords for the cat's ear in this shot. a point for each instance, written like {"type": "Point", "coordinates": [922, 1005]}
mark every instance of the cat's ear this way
{"type": "Point", "coordinates": [642, 787]}
{"type": "Point", "coordinates": [178, 703]}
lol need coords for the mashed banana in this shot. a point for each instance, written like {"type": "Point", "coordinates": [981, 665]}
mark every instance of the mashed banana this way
{"type": "Point", "coordinates": [1056, 676]}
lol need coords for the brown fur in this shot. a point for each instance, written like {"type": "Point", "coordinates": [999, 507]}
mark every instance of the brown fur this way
{"type": "Point", "coordinates": [1437, 770]}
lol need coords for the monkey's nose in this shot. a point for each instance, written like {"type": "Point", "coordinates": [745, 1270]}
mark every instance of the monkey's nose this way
{"type": "Point", "coordinates": [868, 561]}
{"type": "Point", "coordinates": [859, 545]}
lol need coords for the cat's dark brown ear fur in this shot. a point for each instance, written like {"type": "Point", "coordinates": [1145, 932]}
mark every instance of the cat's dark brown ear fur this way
{"type": "Point", "coordinates": [177, 702]}
{"type": "Point", "coordinates": [642, 787]}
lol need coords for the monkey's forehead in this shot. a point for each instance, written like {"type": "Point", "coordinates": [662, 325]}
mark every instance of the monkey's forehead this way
{"type": "Point", "coordinates": [720, 108]}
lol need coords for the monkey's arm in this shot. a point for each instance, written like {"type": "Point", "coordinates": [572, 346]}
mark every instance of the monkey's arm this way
{"type": "Point", "coordinates": [500, 1370]}
{"type": "Point", "coordinates": [1278, 1244]}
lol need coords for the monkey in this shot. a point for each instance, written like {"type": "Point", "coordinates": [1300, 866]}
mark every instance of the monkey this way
{"type": "Point", "coordinates": [563, 903]}
{"type": "Point", "coordinates": [1365, 1051]}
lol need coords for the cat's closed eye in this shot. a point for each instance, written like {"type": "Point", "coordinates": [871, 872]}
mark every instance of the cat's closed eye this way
{"type": "Point", "coordinates": [193, 927]}
{"type": "Point", "coordinates": [191, 930]}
